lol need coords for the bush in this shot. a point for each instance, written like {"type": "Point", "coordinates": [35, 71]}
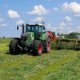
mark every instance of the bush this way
{"type": "Point", "coordinates": [70, 45]}
{"type": "Point", "coordinates": [66, 45]}
{"type": "Point", "coordinates": [61, 45]}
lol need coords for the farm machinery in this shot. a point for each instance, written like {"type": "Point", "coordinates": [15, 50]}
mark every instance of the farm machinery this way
{"type": "Point", "coordinates": [34, 39]}
{"type": "Point", "coordinates": [77, 46]}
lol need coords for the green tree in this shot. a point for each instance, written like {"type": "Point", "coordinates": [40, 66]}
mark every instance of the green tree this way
{"type": "Point", "coordinates": [73, 35]}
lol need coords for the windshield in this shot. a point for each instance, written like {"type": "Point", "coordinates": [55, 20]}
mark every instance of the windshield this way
{"type": "Point", "coordinates": [33, 29]}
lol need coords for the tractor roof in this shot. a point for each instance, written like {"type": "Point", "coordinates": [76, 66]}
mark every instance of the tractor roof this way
{"type": "Point", "coordinates": [35, 25]}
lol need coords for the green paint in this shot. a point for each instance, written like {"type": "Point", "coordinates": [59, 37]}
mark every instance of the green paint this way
{"type": "Point", "coordinates": [30, 38]}
{"type": "Point", "coordinates": [43, 36]}
{"type": "Point", "coordinates": [34, 36]}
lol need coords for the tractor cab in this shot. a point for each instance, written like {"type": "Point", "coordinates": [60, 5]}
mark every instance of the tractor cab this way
{"type": "Point", "coordinates": [32, 28]}
{"type": "Point", "coordinates": [36, 31]}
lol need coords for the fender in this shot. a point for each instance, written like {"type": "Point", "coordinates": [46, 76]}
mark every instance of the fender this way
{"type": "Point", "coordinates": [18, 39]}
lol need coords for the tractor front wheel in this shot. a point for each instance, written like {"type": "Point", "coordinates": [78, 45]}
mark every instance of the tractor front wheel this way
{"type": "Point", "coordinates": [37, 47]}
{"type": "Point", "coordinates": [14, 46]}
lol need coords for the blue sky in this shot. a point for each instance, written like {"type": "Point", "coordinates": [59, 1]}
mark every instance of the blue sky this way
{"type": "Point", "coordinates": [61, 16]}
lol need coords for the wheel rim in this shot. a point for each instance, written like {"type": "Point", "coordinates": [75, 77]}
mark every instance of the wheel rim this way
{"type": "Point", "coordinates": [48, 46]}
{"type": "Point", "coordinates": [40, 49]}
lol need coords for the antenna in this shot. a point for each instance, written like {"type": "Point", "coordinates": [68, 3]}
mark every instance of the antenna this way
{"type": "Point", "coordinates": [43, 22]}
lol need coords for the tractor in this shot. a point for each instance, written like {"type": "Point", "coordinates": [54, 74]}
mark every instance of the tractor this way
{"type": "Point", "coordinates": [34, 39]}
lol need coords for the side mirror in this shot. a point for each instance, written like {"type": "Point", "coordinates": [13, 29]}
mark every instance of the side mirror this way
{"type": "Point", "coordinates": [43, 28]}
{"type": "Point", "coordinates": [17, 27]}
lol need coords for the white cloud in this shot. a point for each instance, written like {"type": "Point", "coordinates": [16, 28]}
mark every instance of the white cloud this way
{"type": "Point", "coordinates": [38, 10]}
{"type": "Point", "coordinates": [73, 6]}
{"type": "Point", "coordinates": [37, 19]}
{"type": "Point", "coordinates": [19, 22]}
{"type": "Point", "coordinates": [13, 14]}
{"type": "Point", "coordinates": [65, 5]}
{"type": "Point", "coordinates": [67, 18]}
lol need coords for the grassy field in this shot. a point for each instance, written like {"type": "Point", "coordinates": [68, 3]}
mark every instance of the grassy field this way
{"type": "Point", "coordinates": [56, 65]}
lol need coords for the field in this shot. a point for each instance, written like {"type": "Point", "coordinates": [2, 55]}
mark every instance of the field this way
{"type": "Point", "coordinates": [56, 65]}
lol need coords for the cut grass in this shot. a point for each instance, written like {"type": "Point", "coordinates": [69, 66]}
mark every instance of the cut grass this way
{"type": "Point", "coordinates": [56, 65]}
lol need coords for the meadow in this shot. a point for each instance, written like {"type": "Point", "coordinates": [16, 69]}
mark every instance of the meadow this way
{"type": "Point", "coordinates": [56, 65]}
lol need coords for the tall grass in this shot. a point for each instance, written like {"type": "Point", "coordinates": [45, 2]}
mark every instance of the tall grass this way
{"type": "Point", "coordinates": [68, 44]}
{"type": "Point", "coordinates": [56, 65]}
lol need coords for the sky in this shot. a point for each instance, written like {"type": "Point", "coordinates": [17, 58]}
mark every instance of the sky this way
{"type": "Point", "coordinates": [61, 16]}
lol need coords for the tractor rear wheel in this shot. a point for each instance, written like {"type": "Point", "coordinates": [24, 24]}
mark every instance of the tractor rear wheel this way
{"type": "Point", "coordinates": [14, 46]}
{"type": "Point", "coordinates": [47, 46]}
{"type": "Point", "coordinates": [37, 47]}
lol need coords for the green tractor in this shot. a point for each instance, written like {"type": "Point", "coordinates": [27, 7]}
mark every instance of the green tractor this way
{"type": "Point", "coordinates": [34, 39]}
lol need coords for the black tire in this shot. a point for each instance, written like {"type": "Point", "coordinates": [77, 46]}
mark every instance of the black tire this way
{"type": "Point", "coordinates": [35, 47]}
{"type": "Point", "coordinates": [46, 46]}
{"type": "Point", "coordinates": [14, 46]}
